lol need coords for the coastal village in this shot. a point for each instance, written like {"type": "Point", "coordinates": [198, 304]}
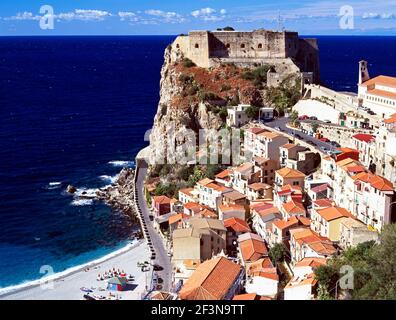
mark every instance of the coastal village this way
{"type": "Point", "coordinates": [319, 181]}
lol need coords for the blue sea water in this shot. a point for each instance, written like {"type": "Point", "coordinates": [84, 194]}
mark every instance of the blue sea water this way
{"type": "Point", "coordinates": [69, 106]}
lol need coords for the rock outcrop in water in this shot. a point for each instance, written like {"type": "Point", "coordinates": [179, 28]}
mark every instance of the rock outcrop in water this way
{"type": "Point", "coordinates": [120, 195]}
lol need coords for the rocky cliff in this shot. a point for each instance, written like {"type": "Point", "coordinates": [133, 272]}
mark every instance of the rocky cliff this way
{"type": "Point", "coordinates": [195, 98]}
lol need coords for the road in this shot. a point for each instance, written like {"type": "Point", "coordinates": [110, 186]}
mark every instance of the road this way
{"type": "Point", "coordinates": [282, 122]}
{"type": "Point", "coordinates": [161, 253]}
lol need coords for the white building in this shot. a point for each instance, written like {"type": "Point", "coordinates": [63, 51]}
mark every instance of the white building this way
{"type": "Point", "coordinates": [379, 93]}
{"type": "Point", "coordinates": [237, 116]}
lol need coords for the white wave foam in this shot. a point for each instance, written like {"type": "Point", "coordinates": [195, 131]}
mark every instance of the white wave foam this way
{"type": "Point", "coordinates": [54, 185]}
{"type": "Point", "coordinates": [32, 283]}
{"type": "Point", "coordinates": [82, 202]}
{"type": "Point", "coordinates": [85, 192]}
{"type": "Point", "coordinates": [111, 179]}
{"type": "Point", "coordinates": [120, 163]}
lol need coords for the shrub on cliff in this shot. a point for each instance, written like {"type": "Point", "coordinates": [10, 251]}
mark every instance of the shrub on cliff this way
{"type": "Point", "coordinates": [169, 190]}
{"type": "Point", "coordinates": [187, 63]}
{"type": "Point", "coordinates": [258, 75]}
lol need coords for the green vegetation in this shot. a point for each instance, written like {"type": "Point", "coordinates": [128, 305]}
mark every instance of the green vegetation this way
{"type": "Point", "coordinates": [187, 63]}
{"type": "Point", "coordinates": [286, 95]}
{"type": "Point", "coordinates": [252, 112]}
{"type": "Point", "coordinates": [258, 75]}
{"type": "Point", "coordinates": [314, 127]}
{"type": "Point", "coordinates": [186, 78]}
{"type": "Point", "coordinates": [169, 190]}
{"type": "Point", "coordinates": [228, 28]}
{"type": "Point", "coordinates": [294, 119]}
{"type": "Point", "coordinates": [205, 96]}
{"type": "Point", "coordinates": [325, 100]}
{"type": "Point", "coordinates": [373, 265]}
{"type": "Point", "coordinates": [198, 174]}
{"type": "Point", "coordinates": [277, 253]}
{"type": "Point", "coordinates": [225, 87]}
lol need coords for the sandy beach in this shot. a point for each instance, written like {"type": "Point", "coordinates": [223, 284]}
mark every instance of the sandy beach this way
{"type": "Point", "coordinates": [67, 286]}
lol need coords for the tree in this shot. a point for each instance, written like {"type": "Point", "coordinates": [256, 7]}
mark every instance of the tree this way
{"type": "Point", "coordinates": [197, 175]}
{"type": "Point", "coordinates": [294, 118]}
{"type": "Point", "coordinates": [252, 112]}
{"type": "Point", "coordinates": [277, 253]}
{"type": "Point", "coordinates": [314, 127]}
{"type": "Point", "coordinates": [327, 276]}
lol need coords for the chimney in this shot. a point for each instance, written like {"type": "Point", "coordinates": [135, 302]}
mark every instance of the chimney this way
{"type": "Point", "coordinates": [363, 72]}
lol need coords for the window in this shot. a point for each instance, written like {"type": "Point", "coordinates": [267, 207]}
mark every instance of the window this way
{"type": "Point", "coordinates": [260, 46]}
{"type": "Point", "coordinates": [228, 46]}
{"type": "Point", "coordinates": [177, 46]}
{"type": "Point", "coordinates": [242, 46]}
{"type": "Point", "coordinates": [295, 183]}
{"type": "Point", "coordinates": [196, 45]}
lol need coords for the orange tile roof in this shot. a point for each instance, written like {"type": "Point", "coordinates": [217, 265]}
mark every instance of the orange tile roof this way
{"type": "Point", "coordinates": [244, 167]}
{"type": "Point", "coordinates": [252, 249]}
{"type": "Point", "coordinates": [161, 199]}
{"type": "Point", "coordinates": [234, 195]}
{"type": "Point", "coordinates": [323, 203]}
{"type": "Point", "coordinates": [177, 217]}
{"type": "Point", "coordinates": [259, 186]}
{"type": "Point", "coordinates": [304, 221]}
{"type": "Point", "coordinates": [284, 224]}
{"type": "Point", "coordinates": [224, 174]}
{"type": "Point", "coordinates": [290, 173]}
{"type": "Point", "coordinates": [187, 191]}
{"type": "Point", "coordinates": [256, 130]}
{"type": "Point", "coordinates": [231, 207]}
{"type": "Point", "coordinates": [320, 245]}
{"type": "Point", "coordinates": [246, 296]}
{"type": "Point", "coordinates": [191, 205]}
{"type": "Point", "coordinates": [288, 146]}
{"type": "Point", "coordinates": [332, 213]}
{"type": "Point", "coordinates": [216, 186]}
{"type": "Point", "coordinates": [391, 119]}
{"type": "Point", "coordinates": [311, 262]}
{"type": "Point", "coordinates": [211, 280]}
{"type": "Point", "coordinates": [294, 207]}
{"type": "Point", "coordinates": [237, 225]}
{"type": "Point", "coordinates": [268, 275]}
{"type": "Point", "coordinates": [263, 264]}
{"type": "Point", "coordinates": [206, 213]}
{"type": "Point", "coordinates": [380, 183]}
{"type": "Point", "coordinates": [297, 281]}
{"type": "Point", "coordinates": [380, 80]}
{"type": "Point", "coordinates": [270, 135]}
{"type": "Point", "coordinates": [205, 181]}
{"type": "Point", "coordinates": [382, 93]}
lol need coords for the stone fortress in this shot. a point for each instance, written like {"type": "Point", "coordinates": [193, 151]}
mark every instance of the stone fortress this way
{"type": "Point", "coordinates": [284, 50]}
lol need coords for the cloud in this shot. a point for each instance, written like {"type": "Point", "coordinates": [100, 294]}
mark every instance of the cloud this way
{"type": "Point", "coordinates": [165, 16]}
{"type": "Point", "coordinates": [77, 14]}
{"type": "Point", "coordinates": [372, 15]}
{"type": "Point", "coordinates": [209, 14]}
{"type": "Point", "coordinates": [85, 15]}
{"type": "Point", "coordinates": [24, 16]}
{"type": "Point", "coordinates": [128, 16]}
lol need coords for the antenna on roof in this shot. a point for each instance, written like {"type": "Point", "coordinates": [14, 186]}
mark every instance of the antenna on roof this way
{"type": "Point", "coordinates": [281, 27]}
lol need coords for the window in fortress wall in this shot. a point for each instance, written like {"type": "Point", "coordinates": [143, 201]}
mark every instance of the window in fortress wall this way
{"type": "Point", "coordinates": [196, 46]}
{"type": "Point", "coordinates": [260, 46]}
{"type": "Point", "coordinates": [242, 46]}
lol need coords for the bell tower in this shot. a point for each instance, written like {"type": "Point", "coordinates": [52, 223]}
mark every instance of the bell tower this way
{"type": "Point", "coordinates": [363, 72]}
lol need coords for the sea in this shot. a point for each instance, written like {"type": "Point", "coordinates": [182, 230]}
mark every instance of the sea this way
{"type": "Point", "coordinates": [75, 110]}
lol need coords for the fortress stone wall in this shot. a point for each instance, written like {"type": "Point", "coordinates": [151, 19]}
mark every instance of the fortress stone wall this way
{"type": "Point", "coordinates": [207, 49]}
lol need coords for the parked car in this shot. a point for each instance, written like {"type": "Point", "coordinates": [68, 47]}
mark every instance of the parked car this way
{"type": "Point", "coordinates": [278, 128]}
{"type": "Point", "coordinates": [157, 267]}
{"type": "Point", "coordinates": [311, 143]}
{"type": "Point", "coordinates": [313, 118]}
{"type": "Point", "coordinates": [335, 144]}
{"type": "Point", "coordinates": [304, 117]}
{"type": "Point", "coordinates": [327, 121]}
{"type": "Point", "coordinates": [324, 139]}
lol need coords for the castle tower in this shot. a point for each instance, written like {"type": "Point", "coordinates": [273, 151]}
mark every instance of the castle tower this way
{"type": "Point", "coordinates": [363, 72]}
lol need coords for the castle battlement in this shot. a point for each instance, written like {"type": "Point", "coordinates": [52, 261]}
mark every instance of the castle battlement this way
{"type": "Point", "coordinates": [208, 48]}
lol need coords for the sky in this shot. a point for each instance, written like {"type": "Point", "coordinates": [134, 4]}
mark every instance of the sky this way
{"type": "Point", "coordinates": [171, 17]}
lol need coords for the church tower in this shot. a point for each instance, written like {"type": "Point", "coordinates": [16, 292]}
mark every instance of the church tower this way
{"type": "Point", "coordinates": [363, 72]}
